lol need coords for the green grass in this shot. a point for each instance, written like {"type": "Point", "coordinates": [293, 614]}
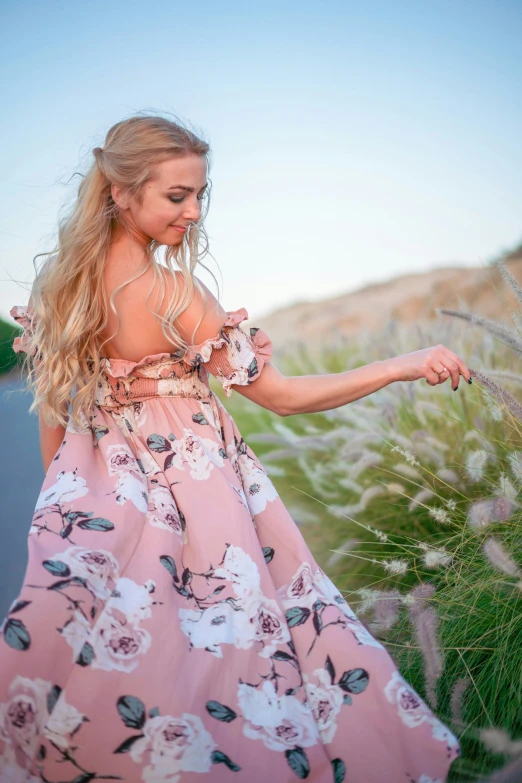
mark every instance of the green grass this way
{"type": "Point", "coordinates": [346, 475]}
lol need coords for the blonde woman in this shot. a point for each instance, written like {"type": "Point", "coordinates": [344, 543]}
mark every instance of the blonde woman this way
{"type": "Point", "coordinates": [172, 622]}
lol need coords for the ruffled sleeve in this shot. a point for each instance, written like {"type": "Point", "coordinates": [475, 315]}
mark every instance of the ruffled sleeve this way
{"type": "Point", "coordinates": [24, 316]}
{"type": "Point", "coordinates": [233, 356]}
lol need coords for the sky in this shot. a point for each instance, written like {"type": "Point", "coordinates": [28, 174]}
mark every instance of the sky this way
{"type": "Point", "coordinates": [351, 142]}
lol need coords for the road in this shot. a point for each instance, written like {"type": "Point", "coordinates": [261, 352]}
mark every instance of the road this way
{"type": "Point", "coordinates": [21, 478]}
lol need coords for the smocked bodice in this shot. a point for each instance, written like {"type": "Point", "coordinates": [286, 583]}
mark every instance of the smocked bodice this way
{"type": "Point", "coordinates": [233, 356]}
{"type": "Point", "coordinates": [158, 375]}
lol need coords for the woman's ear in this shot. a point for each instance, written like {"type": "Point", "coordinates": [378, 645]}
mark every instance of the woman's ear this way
{"type": "Point", "coordinates": [117, 197]}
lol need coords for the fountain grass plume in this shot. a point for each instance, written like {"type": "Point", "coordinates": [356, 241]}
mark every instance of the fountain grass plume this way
{"type": "Point", "coordinates": [499, 558]}
{"type": "Point", "coordinates": [499, 741]}
{"type": "Point", "coordinates": [509, 279]}
{"type": "Point", "coordinates": [486, 511]}
{"type": "Point", "coordinates": [441, 515]}
{"type": "Point", "coordinates": [475, 464]}
{"type": "Point", "coordinates": [503, 396]}
{"type": "Point", "coordinates": [385, 611]}
{"type": "Point", "coordinates": [456, 703]}
{"type": "Point", "coordinates": [425, 624]}
{"type": "Point", "coordinates": [511, 773]}
{"type": "Point", "coordinates": [507, 336]}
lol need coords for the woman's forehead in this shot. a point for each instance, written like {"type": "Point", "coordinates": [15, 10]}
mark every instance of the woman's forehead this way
{"type": "Point", "coordinates": [189, 170]}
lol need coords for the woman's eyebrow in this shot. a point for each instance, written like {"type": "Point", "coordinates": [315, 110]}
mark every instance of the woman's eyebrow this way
{"type": "Point", "coordinates": [185, 187]}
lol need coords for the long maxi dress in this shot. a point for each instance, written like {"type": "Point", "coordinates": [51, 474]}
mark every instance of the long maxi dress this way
{"type": "Point", "coordinates": [173, 626]}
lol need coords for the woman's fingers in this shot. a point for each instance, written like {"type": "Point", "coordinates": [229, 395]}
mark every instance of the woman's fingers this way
{"type": "Point", "coordinates": [456, 366]}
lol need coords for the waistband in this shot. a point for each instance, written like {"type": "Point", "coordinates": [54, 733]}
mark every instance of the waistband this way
{"type": "Point", "coordinates": [115, 392]}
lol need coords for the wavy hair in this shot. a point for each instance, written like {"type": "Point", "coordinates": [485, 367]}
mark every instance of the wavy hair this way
{"type": "Point", "coordinates": [68, 308]}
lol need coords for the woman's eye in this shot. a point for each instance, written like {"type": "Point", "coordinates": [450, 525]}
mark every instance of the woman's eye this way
{"type": "Point", "coordinates": [179, 200]}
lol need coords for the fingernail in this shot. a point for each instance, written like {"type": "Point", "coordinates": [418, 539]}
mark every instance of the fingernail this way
{"type": "Point", "coordinates": [469, 380]}
{"type": "Point", "coordinates": [455, 388]}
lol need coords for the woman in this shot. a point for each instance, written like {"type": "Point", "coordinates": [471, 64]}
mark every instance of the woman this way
{"type": "Point", "coordinates": [172, 621]}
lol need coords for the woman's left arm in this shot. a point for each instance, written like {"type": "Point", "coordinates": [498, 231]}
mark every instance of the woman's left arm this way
{"type": "Point", "coordinates": [50, 441]}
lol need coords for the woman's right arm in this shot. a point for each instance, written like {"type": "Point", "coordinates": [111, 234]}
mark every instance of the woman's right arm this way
{"type": "Point", "coordinates": [290, 395]}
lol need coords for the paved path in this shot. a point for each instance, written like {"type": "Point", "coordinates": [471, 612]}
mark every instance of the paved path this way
{"type": "Point", "coordinates": [21, 478]}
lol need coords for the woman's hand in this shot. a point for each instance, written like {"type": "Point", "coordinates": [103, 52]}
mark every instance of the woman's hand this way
{"type": "Point", "coordinates": [436, 364]}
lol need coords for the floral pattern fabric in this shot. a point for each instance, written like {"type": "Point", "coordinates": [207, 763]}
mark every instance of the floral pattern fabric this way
{"type": "Point", "coordinates": [173, 626]}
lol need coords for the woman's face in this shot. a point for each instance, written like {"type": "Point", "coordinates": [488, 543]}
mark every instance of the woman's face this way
{"type": "Point", "coordinates": [172, 198]}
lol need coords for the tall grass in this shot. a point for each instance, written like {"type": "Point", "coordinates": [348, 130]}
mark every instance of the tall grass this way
{"type": "Point", "coordinates": [411, 499]}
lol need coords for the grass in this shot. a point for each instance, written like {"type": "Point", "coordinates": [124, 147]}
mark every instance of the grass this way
{"type": "Point", "coordinates": [410, 499]}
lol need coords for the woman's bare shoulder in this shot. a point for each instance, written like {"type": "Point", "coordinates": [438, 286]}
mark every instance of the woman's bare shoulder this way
{"type": "Point", "coordinates": [204, 315]}
{"type": "Point", "coordinates": [138, 332]}
{"type": "Point", "coordinates": [204, 312]}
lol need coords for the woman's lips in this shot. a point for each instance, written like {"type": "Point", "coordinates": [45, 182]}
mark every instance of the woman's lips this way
{"type": "Point", "coordinates": [180, 228]}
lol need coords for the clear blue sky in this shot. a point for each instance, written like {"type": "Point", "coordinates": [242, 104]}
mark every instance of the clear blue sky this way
{"type": "Point", "coordinates": [352, 141]}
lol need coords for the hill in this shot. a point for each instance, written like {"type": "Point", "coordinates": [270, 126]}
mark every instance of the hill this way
{"type": "Point", "coordinates": [411, 298]}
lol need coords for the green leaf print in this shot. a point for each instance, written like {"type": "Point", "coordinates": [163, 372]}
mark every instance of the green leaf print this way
{"type": "Point", "coordinates": [16, 635]}
{"type": "Point", "coordinates": [127, 744]}
{"type": "Point", "coordinates": [98, 523]}
{"type": "Point", "coordinates": [19, 605]}
{"type": "Point", "coordinates": [199, 418]}
{"type": "Point", "coordinates": [354, 680]}
{"type": "Point", "coordinates": [86, 655]}
{"type": "Point", "coordinates": [220, 711]}
{"type": "Point", "coordinates": [72, 516]}
{"type": "Point", "coordinates": [169, 460]}
{"type": "Point", "coordinates": [297, 615]}
{"type": "Point", "coordinates": [220, 758]}
{"type": "Point", "coordinates": [252, 368]}
{"type": "Point", "coordinates": [330, 668]}
{"type": "Point", "coordinates": [158, 443]}
{"type": "Point", "coordinates": [66, 531]}
{"type": "Point", "coordinates": [99, 432]}
{"type": "Point", "coordinates": [241, 447]}
{"type": "Point", "coordinates": [281, 655]}
{"type": "Point", "coordinates": [339, 770]}
{"type": "Point", "coordinates": [56, 567]}
{"type": "Point", "coordinates": [318, 623]}
{"type": "Point", "coordinates": [52, 697]}
{"type": "Point", "coordinates": [268, 552]}
{"type": "Point", "coordinates": [298, 762]}
{"type": "Point", "coordinates": [170, 565]}
{"type": "Point", "coordinates": [61, 584]}
{"type": "Point", "coordinates": [132, 711]}
{"type": "Point", "coordinates": [78, 580]}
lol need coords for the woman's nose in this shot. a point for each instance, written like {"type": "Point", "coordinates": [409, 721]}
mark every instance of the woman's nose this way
{"type": "Point", "coordinates": [193, 211]}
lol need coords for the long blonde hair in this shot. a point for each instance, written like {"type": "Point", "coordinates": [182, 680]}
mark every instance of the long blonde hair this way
{"type": "Point", "coordinates": [68, 305]}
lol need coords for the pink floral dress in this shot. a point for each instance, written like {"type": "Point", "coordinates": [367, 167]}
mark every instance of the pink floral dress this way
{"type": "Point", "coordinates": [173, 625]}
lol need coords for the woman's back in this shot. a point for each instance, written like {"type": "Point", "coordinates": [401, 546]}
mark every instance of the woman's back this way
{"type": "Point", "coordinates": [139, 332]}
